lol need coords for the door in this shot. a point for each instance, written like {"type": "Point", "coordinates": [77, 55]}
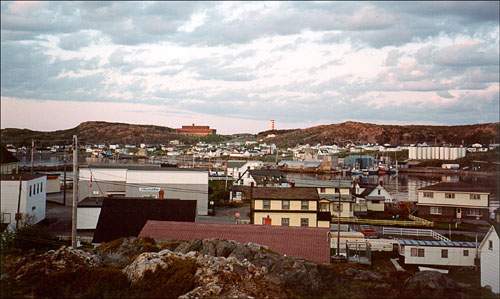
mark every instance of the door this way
{"type": "Point", "coordinates": [459, 213]}
{"type": "Point", "coordinates": [266, 220]}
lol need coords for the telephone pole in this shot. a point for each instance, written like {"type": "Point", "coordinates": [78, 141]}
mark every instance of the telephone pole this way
{"type": "Point", "coordinates": [75, 191]}
{"type": "Point", "coordinates": [64, 182]}
{"type": "Point", "coordinates": [32, 153]}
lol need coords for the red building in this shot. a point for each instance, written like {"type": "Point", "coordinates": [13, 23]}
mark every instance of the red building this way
{"type": "Point", "coordinates": [196, 130]}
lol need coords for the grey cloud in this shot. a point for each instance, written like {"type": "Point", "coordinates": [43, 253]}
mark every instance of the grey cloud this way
{"type": "Point", "coordinates": [444, 94]}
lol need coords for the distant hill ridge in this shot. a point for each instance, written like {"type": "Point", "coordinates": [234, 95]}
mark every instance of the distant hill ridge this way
{"type": "Point", "coordinates": [362, 133]}
{"type": "Point", "coordinates": [356, 132]}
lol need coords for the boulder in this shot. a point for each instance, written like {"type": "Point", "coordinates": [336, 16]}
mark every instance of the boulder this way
{"type": "Point", "coordinates": [427, 284]}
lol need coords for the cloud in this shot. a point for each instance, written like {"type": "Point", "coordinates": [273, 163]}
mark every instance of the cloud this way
{"type": "Point", "coordinates": [290, 61]}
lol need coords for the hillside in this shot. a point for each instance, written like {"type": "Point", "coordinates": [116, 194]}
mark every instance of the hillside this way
{"type": "Point", "coordinates": [98, 132]}
{"type": "Point", "coordinates": [360, 133]}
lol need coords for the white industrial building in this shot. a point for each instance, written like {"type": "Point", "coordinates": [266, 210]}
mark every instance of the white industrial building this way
{"type": "Point", "coordinates": [438, 253]}
{"type": "Point", "coordinates": [88, 213]}
{"type": "Point", "coordinates": [145, 181]}
{"type": "Point", "coordinates": [31, 202]}
{"type": "Point", "coordinates": [490, 259]}
{"type": "Point", "coordinates": [436, 153]}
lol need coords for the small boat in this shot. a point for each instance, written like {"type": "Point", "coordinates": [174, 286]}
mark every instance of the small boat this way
{"type": "Point", "coordinates": [355, 171]}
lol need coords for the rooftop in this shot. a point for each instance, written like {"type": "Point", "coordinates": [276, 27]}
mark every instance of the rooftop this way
{"type": "Point", "coordinates": [125, 217]}
{"type": "Point", "coordinates": [150, 167]}
{"type": "Point", "coordinates": [307, 243]}
{"type": "Point", "coordinates": [322, 183]}
{"type": "Point", "coordinates": [292, 193]}
{"type": "Point", "coordinates": [434, 243]}
{"type": "Point", "coordinates": [459, 187]}
{"type": "Point", "coordinates": [24, 177]}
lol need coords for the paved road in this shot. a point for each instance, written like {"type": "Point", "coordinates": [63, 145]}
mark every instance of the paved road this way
{"type": "Point", "coordinates": [226, 215]}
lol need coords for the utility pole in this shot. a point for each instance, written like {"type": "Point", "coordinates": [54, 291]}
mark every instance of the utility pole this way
{"type": "Point", "coordinates": [18, 214]}
{"type": "Point", "coordinates": [64, 182]}
{"type": "Point", "coordinates": [338, 227]}
{"type": "Point", "coordinates": [75, 191]}
{"type": "Point", "coordinates": [32, 153]}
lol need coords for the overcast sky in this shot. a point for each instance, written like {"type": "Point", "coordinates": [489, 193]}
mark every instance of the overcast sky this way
{"type": "Point", "coordinates": [235, 66]}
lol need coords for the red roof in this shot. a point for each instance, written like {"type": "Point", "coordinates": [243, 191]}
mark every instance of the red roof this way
{"type": "Point", "coordinates": [308, 243]}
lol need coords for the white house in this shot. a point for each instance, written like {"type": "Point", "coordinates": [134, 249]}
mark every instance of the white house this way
{"type": "Point", "coordinates": [372, 197]}
{"type": "Point", "coordinates": [146, 182]}
{"type": "Point", "coordinates": [437, 253]}
{"type": "Point", "coordinates": [32, 202]}
{"type": "Point", "coordinates": [490, 259]}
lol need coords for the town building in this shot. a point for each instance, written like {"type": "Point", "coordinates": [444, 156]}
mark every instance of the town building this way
{"type": "Point", "coordinates": [293, 206]}
{"type": "Point", "coordinates": [453, 201]}
{"type": "Point", "coordinates": [125, 217]}
{"type": "Point", "coordinates": [437, 253]}
{"type": "Point", "coordinates": [302, 242]}
{"type": "Point", "coordinates": [196, 130]}
{"type": "Point", "coordinates": [328, 192]}
{"type": "Point", "coordinates": [145, 182]}
{"type": "Point", "coordinates": [8, 163]}
{"type": "Point", "coordinates": [240, 169]}
{"type": "Point", "coordinates": [436, 152]}
{"type": "Point", "coordinates": [490, 259]}
{"type": "Point", "coordinates": [31, 198]}
{"type": "Point", "coordinates": [263, 178]}
{"type": "Point", "coordinates": [371, 197]}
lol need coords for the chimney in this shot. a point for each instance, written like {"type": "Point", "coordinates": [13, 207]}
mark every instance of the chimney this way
{"type": "Point", "coordinates": [161, 194]}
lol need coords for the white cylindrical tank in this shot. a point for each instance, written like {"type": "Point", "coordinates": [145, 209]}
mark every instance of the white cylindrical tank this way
{"type": "Point", "coordinates": [435, 152]}
{"type": "Point", "coordinates": [446, 153]}
{"type": "Point", "coordinates": [412, 153]}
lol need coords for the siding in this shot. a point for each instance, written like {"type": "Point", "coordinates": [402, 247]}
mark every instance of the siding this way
{"type": "Point", "coordinates": [87, 217]}
{"type": "Point", "coordinates": [433, 256]}
{"type": "Point", "coordinates": [461, 199]}
{"type": "Point", "coordinates": [490, 263]}
{"type": "Point", "coordinates": [294, 218]}
{"type": "Point", "coordinates": [32, 207]}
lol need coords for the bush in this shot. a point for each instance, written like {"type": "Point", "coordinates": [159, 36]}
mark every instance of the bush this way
{"type": "Point", "coordinates": [30, 237]}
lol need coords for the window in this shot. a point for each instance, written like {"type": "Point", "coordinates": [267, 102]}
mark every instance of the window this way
{"type": "Point", "coordinates": [285, 221]}
{"type": "Point", "coordinates": [324, 207]}
{"type": "Point", "coordinates": [466, 252]}
{"type": "Point", "coordinates": [266, 204]}
{"type": "Point", "coordinates": [436, 211]}
{"type": "Point", "coordinates": [414, 252]}
{"type": "Point", "coordinates": [337, 207]}
{"type": "Point", "coordinates": [337, 190]}
{"type": "Point", "coordinates": [449, 195]}
{"type": "Point", "coordinates": [429, 194]}
{"type": "Point", "coordinates": [490, 245]}
{"type": "Point", "coordinates": [6, 218]}
{"type": "Point", "coordinates": [285, 205]}
{"type": "Point", "coordinates": [33, 208]}
{"type": "Point", "coordinates": [475, 196]}
{"type": "Point", "coordinates": [304, 205]}
{"type": "Point", "coordinates": [41, 187]}
{"type": "Point", "coordinates": [375, 201]}
{"type": "Point", "coordinates": [322, 190]}
{"type": "Point", "coordinates": [444, 253]}
{"type": "Point", "coordinates": [37, 188]}
{"type": "Point", "coordinates": [473, 212]}
{"type": "Point", "coordinates": [304, 222]}
{"type": "Point", "coordinates": [421, 252]}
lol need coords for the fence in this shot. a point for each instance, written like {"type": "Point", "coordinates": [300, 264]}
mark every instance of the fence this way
{"type": "Point", "coordinates": [414, 232]}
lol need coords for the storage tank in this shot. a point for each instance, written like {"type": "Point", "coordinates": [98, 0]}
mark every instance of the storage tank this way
{"type": "Point", "coordinates": [441, 153]}
{"type": "Point", "coordinates": [412, 153]}
{"type": "Point", "coordinates": [419, 152]}
{"type": "Point", "coordinates": [428, 153]}
{"type": "Point", "coordinates": [446, 153]}
{"type": "Point", "coordinates": [435, 152]}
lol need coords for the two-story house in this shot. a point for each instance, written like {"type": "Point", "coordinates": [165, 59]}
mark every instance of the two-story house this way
{"type": "Point", "coordinates": [294, 206]}
{"type": "Point", "coordinates": [371, 197]}
{"type": "Point", "coordinates": [329, 192]}
{"type": "Point", "coordinates": [455, 201]}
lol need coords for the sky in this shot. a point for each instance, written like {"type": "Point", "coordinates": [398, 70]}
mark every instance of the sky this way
{"type": "Point", "coordinates": [237, 65]}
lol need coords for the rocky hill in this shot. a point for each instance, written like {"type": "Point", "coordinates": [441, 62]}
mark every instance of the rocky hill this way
{"type": "Point", "coordinates": [360, 133]}
{"type": "Point", "coordinates": [96, 132]}
{"type": "Point", "coordinates": [142, 268]}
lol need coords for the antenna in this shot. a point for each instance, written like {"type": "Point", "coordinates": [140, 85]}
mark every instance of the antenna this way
{"type": "Point", "coordinates": [271, 124]}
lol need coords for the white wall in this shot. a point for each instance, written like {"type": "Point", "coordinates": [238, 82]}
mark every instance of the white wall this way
{"type": "Point", "coordinates": [490, 262]}
{"type": "Point", "coordinates": [87, 217]}
{"type": "Point", "coordinates": [461, 199]}
{"type": "Point", "coordinates": [103, 174]}
{"type": "Point", "coordinates": [432, 256]}
{"type": "Point", "coordinates": [167, 177]}
{"type": "Point", "coordinates": [32, 207]}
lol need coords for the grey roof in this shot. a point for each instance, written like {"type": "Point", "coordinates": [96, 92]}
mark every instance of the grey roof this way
{"type": "Point", "coordinates": [435, 243]}
{"type": "Point", "coordinates": [235, 163]}
{"type": "Point", "coordinates": [334, 197]}
{"type": "Point", "coordinates": [322, 183]}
